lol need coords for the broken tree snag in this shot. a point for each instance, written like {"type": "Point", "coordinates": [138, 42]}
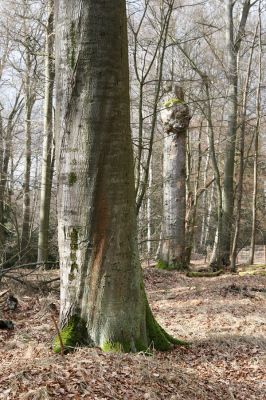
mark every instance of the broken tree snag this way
{"type": "Point", "coordinates": [175, 118]}
{"type": "Point", "coordinates": [12, 302]}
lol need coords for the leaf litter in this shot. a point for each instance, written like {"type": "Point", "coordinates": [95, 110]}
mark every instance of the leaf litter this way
{"type": "Point", "coordinates": [223, 318]}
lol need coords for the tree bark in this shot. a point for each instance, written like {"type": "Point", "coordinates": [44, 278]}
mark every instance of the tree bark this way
{"type": "Point", "coordinates": [103, 301]}
{"type": "Point", "coordinates": [175, 117]}
{"type": "Point", "coordinates": [233, 47]}
{"type": "Point", "coordinates": [47, 173]}
{"type": "Point", "coordinates": [239, 192]}
{"type": "Point", "coordinates": [29, 102]}
{"type": "Point", "coordinates": [256, 148]}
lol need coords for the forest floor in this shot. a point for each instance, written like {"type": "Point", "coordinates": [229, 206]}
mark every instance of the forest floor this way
{"type": "Point", "coordinates": [222, 317]}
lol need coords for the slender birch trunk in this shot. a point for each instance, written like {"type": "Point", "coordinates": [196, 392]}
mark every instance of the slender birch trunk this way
{"type": "Point", "coordinates": [175, 117]}
{"type": "Point", "coordinates": [102, 294]}
{"type": "Point", "coordinates": [47, 173]}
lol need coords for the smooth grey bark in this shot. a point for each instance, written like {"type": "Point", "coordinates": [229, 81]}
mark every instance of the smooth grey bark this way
{"type": "Point", "coordinates": [239, 191]}
{"type": "Point", "coordinates": [102, 295]}
{"type": "Point", "coordinates": [175, 117]}
{"type": "Point", "coordinates": [193, 195]}
{"type": "Point", "coordinates": [47, 159]}
{"type": "Point", "coordinates": [256, 147]}
{"type": "Point", "coordinates": [233, 43]}
{"type": "Point", "coordinates": [204, 204]}
{"type": "Point", "coordinates": [29, 99]}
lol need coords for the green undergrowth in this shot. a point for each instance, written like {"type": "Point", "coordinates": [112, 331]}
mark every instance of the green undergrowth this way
{"type": "Point", "coordinates": [73, 334]}
{"type": "Point", "coordinates": [255, 269]}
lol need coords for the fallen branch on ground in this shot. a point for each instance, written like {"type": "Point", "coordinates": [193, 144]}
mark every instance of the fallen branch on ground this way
{"type": "Point", "coordinates": [194, 274]}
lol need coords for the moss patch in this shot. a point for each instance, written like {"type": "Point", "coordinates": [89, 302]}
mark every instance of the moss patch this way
{"type": "Point", "coordinates": [179, 266]}
{"type": "Point", "coordinates": [163, 265]}
{"type": "Point", "coordinates": [72, 178]}
{"type": "Point", "coordinates": [71, 46]}
{"type": "Point", "coordinates": [256, 269]}
{"type": "Point", "coordinates": [160, 339]}
{"type": "Point", "coordinates": [116, 347]}
{"type": "Point", "coordinates": [73, 334]}
{"type": "Point", "coordinates": [124, 347]}
{"type": "Point", "coordinates": [172, 102]}
{"type": "Point", "coordinates": [207, 274]}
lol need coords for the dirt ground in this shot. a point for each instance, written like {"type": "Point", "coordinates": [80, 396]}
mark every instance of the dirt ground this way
{"type": "Point", "coordinates": [223, 318]}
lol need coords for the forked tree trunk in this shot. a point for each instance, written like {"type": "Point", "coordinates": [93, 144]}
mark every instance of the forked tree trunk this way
{"type": "Point", "coordinates": [47, 173]}
{"type": "Point", "coordinates": [103, 300]}
{"type": "Point", "coordinates": [175, 118]}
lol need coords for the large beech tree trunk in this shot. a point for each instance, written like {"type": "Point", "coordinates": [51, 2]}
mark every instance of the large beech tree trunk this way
{"type": "Point", "coordinates": [103, 300]}
{"type": "Point", "coordinates": [175, 118]}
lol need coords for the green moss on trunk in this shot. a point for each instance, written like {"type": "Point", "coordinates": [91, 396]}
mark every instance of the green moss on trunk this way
{"type": "Point", "coordinates": [125, 346]}
{"type": "Point", "coordinates": [159, 339]}
{"type": "Point", "coordinates": [116, 347]}
{"type": "Point", "coordinates": [178, 265]}
{"type": "Point", "coordinates": [164, 265]}
{"type": "Point", "coordinates": [73, 334]}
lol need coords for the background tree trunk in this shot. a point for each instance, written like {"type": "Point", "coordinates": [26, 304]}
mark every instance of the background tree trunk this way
{"type": "Point", "coordinates": [47, 173]}
{"type": "Point", "coordinates": [233, 47]}
{"type": "Point", "coordinates": [29, 102]}
{"type": "Point", "coordinates": [175, 117]}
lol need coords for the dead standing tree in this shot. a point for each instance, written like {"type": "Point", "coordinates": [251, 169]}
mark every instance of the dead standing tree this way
{"type": "Point", "coordinates": [175, 117]}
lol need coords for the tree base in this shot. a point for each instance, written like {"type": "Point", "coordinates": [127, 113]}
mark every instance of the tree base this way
{"type": "Point", "coordinates": [75, 334]}
{"type": "Point", "coordinates": [176, 266]}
